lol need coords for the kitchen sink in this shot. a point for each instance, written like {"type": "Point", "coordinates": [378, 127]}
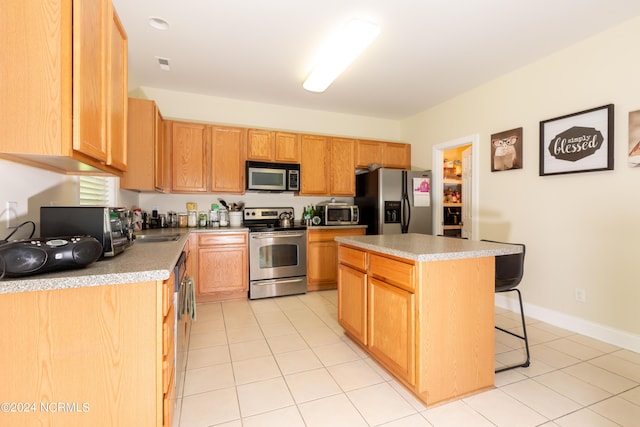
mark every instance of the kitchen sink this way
{"type": "Point", "coordinates": [151, 238]}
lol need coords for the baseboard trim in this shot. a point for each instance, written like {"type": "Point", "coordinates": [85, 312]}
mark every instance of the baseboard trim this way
{"type": "Point", "coordinates": [591, 329]}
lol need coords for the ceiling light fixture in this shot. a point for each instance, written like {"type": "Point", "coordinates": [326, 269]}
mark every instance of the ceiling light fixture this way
{"type": "Point", "coordinates": [158, 23]}
{"type": "Point", "coordinates": [339, 52]}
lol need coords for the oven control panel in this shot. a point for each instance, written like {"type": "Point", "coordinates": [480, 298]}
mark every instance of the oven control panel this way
{"type": "Point", "coordinates": [265, 215]}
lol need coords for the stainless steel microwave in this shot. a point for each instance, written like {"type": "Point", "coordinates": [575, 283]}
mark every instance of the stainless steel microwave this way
{"type": "Point", "coordinates": [265, 176]}
{"type": "Point", "coordinates": [339, 214]}
{"type": "Point", "coordinates": [111, 226]}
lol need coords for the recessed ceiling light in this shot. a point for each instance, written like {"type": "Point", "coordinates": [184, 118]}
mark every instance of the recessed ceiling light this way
{"type": "Point", "coordinates": [158, 23]}
{"type": "Point", "coordinates": [339, 52]}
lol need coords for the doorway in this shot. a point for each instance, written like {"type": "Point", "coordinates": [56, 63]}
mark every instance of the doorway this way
{"type": "Point", "coordinates": [469, 184]}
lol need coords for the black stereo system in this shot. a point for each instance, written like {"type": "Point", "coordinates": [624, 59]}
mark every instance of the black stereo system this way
{"type": "Point", "coordinates": [35, 256]}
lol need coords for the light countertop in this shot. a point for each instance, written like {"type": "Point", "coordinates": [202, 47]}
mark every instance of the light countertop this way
{"type": "Point", "coordinates": [424, 247]}
{"type": "Point", "coordinates": [141, 262]}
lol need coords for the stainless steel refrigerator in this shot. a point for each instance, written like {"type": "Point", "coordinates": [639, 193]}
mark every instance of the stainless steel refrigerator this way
{"type": "Point", "coordinates": [394, 201]}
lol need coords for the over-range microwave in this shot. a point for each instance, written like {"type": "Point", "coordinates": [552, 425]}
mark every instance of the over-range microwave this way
{"type": "Point", "coordinates": [265, 176]}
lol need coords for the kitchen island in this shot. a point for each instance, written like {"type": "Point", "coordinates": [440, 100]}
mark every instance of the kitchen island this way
{"type": "Point", "coordinates": [423, 307]}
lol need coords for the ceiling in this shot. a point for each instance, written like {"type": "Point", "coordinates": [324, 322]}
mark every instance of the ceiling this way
{"type": "Point", "coordinates": [428, 51]}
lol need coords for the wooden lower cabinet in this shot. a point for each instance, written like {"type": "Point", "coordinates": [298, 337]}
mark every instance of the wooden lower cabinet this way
{"type": "Point", "coordinates": [430, 324]}
{"type": "Point", "coordinates": [102, 352]}
{"type": "Point", "coordinates": [222, 264]}
{"type": "Point", "coordinates": [168, 351]}
{"type": "Point", "coordinates": [322, 256]}
{"type": "Point", "coordinates": [391, 327]}
{"type": "Point", "coordinates": [352, 315]}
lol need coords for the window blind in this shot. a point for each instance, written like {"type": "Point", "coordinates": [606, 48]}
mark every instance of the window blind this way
{"type": "Point", "coordinates": [95, 191]}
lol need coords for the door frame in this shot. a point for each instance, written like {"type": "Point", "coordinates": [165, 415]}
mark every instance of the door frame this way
{"type": "Point", "coordinates": [438, 180]}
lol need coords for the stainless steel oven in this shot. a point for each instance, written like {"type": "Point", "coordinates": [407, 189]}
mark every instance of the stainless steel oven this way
{"type": "Point", "coordinates": [277, 255]}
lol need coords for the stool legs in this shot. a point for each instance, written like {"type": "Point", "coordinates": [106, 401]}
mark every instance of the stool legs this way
{"type": "Point", "coordinates": [522, 337]}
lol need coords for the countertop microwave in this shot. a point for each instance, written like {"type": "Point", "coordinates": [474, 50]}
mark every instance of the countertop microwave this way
{"type": "Point", "coordinates": [266, 176]}
{"type": "Point", "coordinates": [339, 214]}
{"type": "Point", "coordinates": [111, 226]}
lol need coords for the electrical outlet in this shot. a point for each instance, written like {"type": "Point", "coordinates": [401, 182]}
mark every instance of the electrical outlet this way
{"type": "Point", "coordinates": [581, 295]}
{"type": "Point", "coordinates": [11, 212]}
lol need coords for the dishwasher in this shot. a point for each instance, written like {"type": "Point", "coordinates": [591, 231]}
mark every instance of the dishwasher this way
{"type": "Point", "coordinates": [183, 310]}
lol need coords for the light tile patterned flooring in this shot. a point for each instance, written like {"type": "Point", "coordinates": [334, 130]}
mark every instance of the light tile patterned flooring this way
{"type": "Point", "coordinates": [286, 362]}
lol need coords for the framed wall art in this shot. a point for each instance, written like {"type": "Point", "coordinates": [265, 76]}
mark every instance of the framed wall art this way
{"type": "Point", "coordinates": [579, 142]}
{"type": "Point", "coordinates": [634, 139]}
{"type": "Point", "coordinates": [506, 150]}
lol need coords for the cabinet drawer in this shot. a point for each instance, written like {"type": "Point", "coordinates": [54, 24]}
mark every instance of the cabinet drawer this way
{"type": "Point", "coordinates": [212, 239]}
{"type": "Point", "coordinates": [352, 257]}
{"type": "Point", "coordinates": [168, 287]}
{"type": "Point", "coordinates": [168, 403]}
{"type": "Point", "coordinates": [392, 271]}
{"type": "Point", "coordinates": [168, 369]}
{"type": "Point", "coordinates": [327, 235]}
{"type": "Point", "coordinates": [168, 331]}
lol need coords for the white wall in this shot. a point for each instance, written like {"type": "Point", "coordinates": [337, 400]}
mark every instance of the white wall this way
{"type": "Point", "coordinates": [188, 106]}
{"type": "Point", "coordinates": [580, 229]}
{"type": "Point", "coordinates": [31, 188]}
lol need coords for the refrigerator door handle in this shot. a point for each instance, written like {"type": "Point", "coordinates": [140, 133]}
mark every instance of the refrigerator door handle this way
{"type": "Point", "coordinates": [405, 207]}
{"type": "Point", "coordinates": [405, 213]}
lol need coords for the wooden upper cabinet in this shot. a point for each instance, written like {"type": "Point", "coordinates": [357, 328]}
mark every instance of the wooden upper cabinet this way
{"type": "Point", "coordinates": [57, 84]}
{"type": "Point", "coordinates": [228, 157]}
{"type": "Point", "coordinates": [287, 147]}
{"type": "Point", "coordinates": [314, 165]}
{"type": "Point", "coordinates": [141, 134]}
{"type": "Point", "coordinates": [368, 153]}
{"type": "Point", "coordinates": [342, 167]}
{"type": "Point", "coordinates": [189, 158]}
{"type": "Point", "coordinates": [396, 155]}
{"type": "Point", "coordinates": [260, 145]}
{"type": "Point", "coordinates": [387, 154]}
{"type": "Point", "coordinates": [90, 27]}
{"type": "Point", "coordinates": [162, 145]}
{"type": "Point", "coordinates": [117, 94]}
{"type": "Point", "coordinates": [271, 146]}
{"type": "Point", "coordinates": [149, 149]}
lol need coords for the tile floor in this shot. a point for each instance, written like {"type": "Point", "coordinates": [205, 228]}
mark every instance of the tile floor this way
{"type": "Point", "coordinates": [286, 362]}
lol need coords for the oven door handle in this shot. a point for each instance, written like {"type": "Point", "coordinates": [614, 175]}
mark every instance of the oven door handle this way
{"type": "Point", "coordinates": [277, 235]}
{"type": "Point", "coordinates": [279, 281]}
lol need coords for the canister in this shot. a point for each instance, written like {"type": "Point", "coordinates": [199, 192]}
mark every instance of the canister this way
{"type": "Point", "coordinates": [224, 217]}
{"type": "Point", "coordinates": [202, 219]}
{"type": "Point", "coordinates": [192, 218]}
{"type": "Point", "coordinates": [183, 219]}
{"type": "Point", "coordinates": [214, 221]}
